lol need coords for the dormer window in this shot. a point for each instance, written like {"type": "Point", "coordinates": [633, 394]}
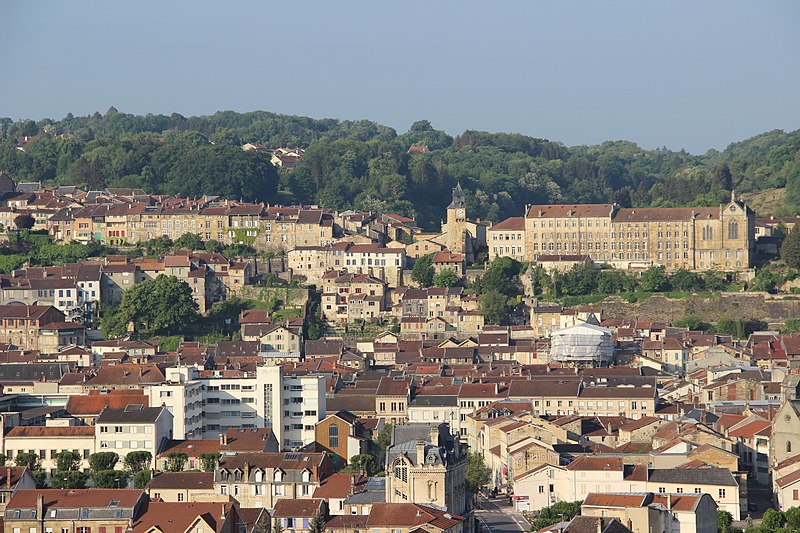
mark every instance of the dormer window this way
{"type": "Point", "coordinates": [278, 476]}
{"type": "Point", "coordinates": [306, 476]}
{"type": "Point", "coordinates": [259, 476]}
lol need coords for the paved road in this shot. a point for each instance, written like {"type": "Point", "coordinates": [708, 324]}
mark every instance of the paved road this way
{"type": "Point", "coordinates": [498, 516]}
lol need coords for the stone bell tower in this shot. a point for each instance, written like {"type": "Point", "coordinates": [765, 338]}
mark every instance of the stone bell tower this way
{"type": "Point", "coordinates": [456, 226]}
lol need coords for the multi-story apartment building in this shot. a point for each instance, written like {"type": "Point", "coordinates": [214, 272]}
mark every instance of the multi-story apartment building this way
{"type": "Point", "coordinates": [134, 221]}
{"type": "Point", "coordinates": [133, 428]}
{"type": "Point", "coordinates": [182, 395]}
{"type": "Point", "coordinates": [286, 228]}
{"type": "Point", "coordinates": [548, 484]}
{"type": "Point", "coordinates": [313, 262]}
{"type": "Point", "coordinates": [48, 441]}
{"type": "Point", "coordinates": [38, 327]}
{"type": "Point", "coordinates": [262, 479]}
{"type": "Point", "coordinates": [74, 510]}
{"type": "Point", "coordinates": [347, 296]}
{"type": "Point", "coordinates": [699, 238]}
{"type": "Point", "coordinates": [206, 406]}
{"type": "Point", "coordinates": [507, 239]}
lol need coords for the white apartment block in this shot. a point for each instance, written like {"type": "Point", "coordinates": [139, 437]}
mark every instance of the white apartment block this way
{"type": "Point", "coordinates": [204, 407]}
{"type": "Point", "coordinates": [183, 397]}
{"type": "Point", "coordinates": [133, 428]}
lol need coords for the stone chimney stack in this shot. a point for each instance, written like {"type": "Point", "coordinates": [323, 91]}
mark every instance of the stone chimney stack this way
{"type": "Point", "coordinates": [420, 452]}
{"type": "Point", "coordinates": [40, 506]}
{"type": "Point", "coordinates": [435, 435]}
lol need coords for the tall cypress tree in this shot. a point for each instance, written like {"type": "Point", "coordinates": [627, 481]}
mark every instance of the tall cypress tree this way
{"type": "Point", "coordinates": [790, 250]}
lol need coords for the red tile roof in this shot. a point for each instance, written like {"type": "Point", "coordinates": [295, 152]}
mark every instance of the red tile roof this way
{"type": "Point", "coordinates": [339, 486]}
{"type": "Point", "coordinates": [94, 402]}
{"type": "Point", "coordinates": [286, 508]}
{"type": "Point", "coordinates": [409, 515]}
{"type": "Point", "coordinates": [172, 516]}
{"type": "Point", "coordinates": [51, 431]}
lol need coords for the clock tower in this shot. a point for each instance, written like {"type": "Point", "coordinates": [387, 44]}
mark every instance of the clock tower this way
{"type": "Point", "coordinates": [457, 210]}
{"type": "Point", "coordinates": [455, 228]}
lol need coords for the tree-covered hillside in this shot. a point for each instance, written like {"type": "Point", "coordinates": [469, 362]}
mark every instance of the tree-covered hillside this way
{"type": "Point", "coordinates": [367, 166]}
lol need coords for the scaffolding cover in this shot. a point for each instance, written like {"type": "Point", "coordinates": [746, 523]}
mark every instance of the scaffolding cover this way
{"type": "Point", "coordinates": [582, 343]}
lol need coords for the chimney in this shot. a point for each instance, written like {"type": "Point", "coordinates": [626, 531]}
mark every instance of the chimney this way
{"type": "Point", "coordinates": [8, 477]}
{"type": "Point", "coordinates": [669, 502]}
{"type": "Point", "coordinates": [40, 505]}
{"type": "Point", "coordinates": [600, 525]}
{"type": "Point", "coordinates": [435, 435]}
{"type": "Point", "coordinates": [222, 516]}
{"type": "Point", "coordinates": [223, 439]}
{"type": "Point", "coordinates": [420, 452]}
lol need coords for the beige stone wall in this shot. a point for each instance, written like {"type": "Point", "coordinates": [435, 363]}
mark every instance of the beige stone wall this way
{"type": "Point", "coordinates": [724, 243]}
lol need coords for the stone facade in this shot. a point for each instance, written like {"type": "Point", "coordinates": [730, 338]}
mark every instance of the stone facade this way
{"type": "Point", "coordinates": [425, 464]}
{"type": "Point", "coordinates": [701, 238]}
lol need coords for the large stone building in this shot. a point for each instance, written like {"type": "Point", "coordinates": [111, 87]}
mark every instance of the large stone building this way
{"type": "Point", "coordinates": [425, 464]}
{"type": "Point", "coordinates": [694, 238]}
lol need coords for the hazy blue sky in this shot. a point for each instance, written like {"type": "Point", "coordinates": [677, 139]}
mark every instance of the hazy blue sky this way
{"type": "Point", "coordinates": [695, 74]}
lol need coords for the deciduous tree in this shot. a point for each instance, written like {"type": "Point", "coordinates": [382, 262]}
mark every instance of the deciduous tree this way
{"type": "Point", "coordinates": [446, 277]}
{"type": "Point", "coordinates": [423, 271]}
{"type": "Point", "coordinates": [477, 474]}
{"type": "Point", "coordinates": [24, 221]}
{"type": "Point", "coordinates": [160, 305]}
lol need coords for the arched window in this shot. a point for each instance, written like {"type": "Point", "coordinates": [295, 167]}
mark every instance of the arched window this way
{"type": "Point", "coordinates": [733, 230]}
{"type": "Point", "coordinates": [401, 471]}
{"type": "Point", "coordinates": [788, 446]}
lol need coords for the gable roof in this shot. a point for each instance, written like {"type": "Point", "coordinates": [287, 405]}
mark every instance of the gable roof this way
{"type": "Point", "coordinates": [171, 517]}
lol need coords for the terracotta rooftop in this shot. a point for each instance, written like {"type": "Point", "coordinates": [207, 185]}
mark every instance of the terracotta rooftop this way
{"type": "Point", "coordinates": [173, 516]}
{"type": "Point", "coordinates": [409, 515]}
{"type": "Point", "coordinates": [286, 508]}
{"type": "Point", "coordinates": [94, 402]}
{"type": "Point", "coordinates": [50, 431]}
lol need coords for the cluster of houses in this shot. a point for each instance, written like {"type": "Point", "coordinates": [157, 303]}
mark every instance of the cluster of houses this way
{"type": "Point", "coordinates": [652, 427]}
{"type": "Point", "coordinates": [693, 424]}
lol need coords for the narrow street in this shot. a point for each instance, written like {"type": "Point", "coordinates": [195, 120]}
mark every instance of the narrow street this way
{"type": "Point", "coordinates": [498, 516]}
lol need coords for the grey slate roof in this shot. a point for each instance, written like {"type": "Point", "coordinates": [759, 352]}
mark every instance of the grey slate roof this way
{"type": "Point", "coordinates": [374, 492]}
{"type": "Point", "coordinates": [434, 401]}
{"type": "Point", "coordinates": [129, 415]}
{"type": "Point", "coordinates": [32, 371]}
{"type": "Point", "coordinates": [699, 476]}
{"type": "Point", "coordinates": [405, 437]}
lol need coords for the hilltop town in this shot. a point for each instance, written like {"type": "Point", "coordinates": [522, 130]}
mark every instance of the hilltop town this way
{"type": "Point", "coordinates": [170, 363]}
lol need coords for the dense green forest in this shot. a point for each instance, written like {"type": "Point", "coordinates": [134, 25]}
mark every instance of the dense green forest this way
{"type": "Point", "coordinates": [364, 165]}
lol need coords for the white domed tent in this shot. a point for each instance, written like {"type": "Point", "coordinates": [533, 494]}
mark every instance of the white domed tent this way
{"type": "Point", "coordinates": [582, 344]}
